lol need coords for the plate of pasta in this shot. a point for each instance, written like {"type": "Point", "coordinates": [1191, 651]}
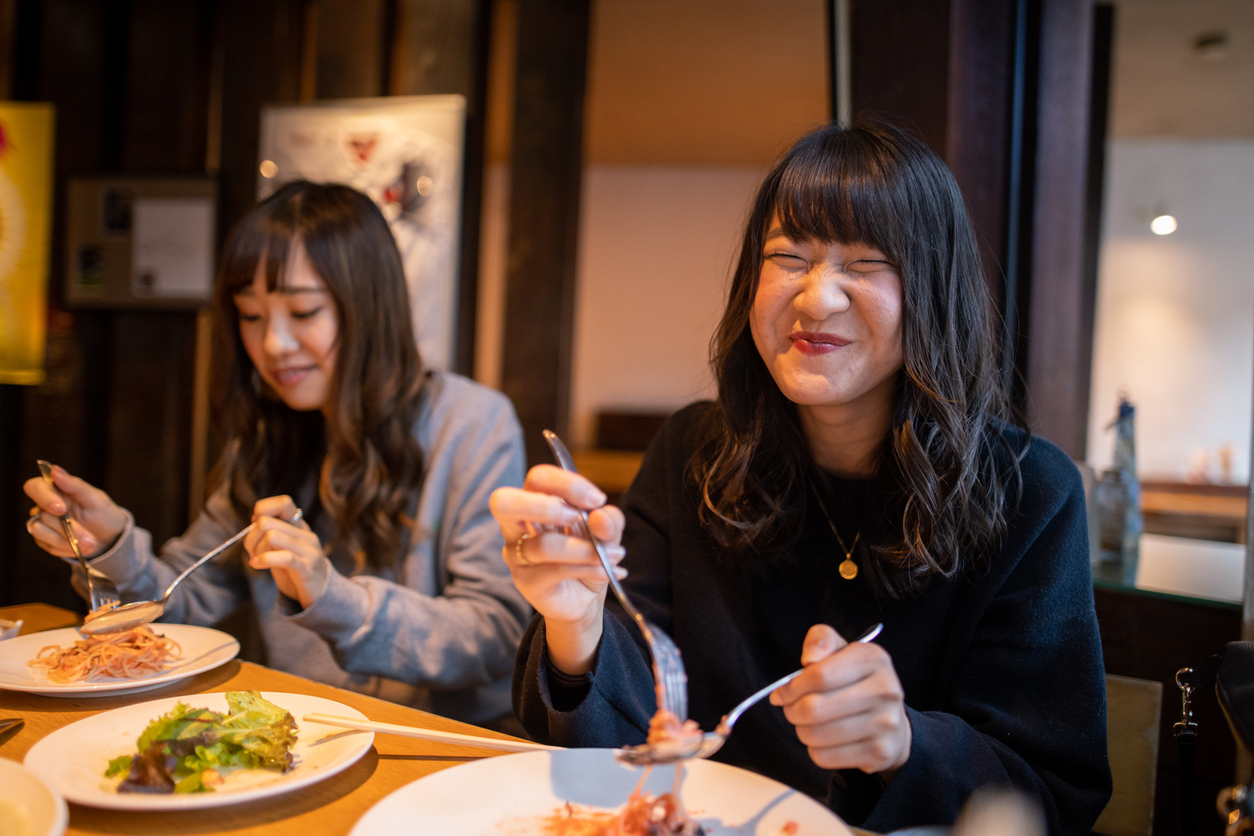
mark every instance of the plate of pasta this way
{"type": "Point", "coordinates": [587, 792]}
{"type": "Point", "coordinates": [65, 663]}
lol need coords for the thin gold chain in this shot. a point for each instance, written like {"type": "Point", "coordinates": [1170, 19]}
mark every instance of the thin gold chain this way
{"type": "Point", "coordinates": [850, 571]}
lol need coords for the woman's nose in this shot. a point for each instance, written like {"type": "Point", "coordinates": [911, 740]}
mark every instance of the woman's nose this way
{"type": "Point", "coordinates": [279, 339]}
{"type": "Point", "coordinates": [823, 293]}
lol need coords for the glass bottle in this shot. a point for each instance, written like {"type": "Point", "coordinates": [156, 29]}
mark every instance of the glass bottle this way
{"type": "Point", "coordinates": [1119, 501]}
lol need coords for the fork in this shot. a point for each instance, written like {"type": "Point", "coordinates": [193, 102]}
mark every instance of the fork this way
{"type": "Point", "coordinates": [100, 589]}
{"type": "Point", "coordinates": [103, 592]}
{"type": "Point", "coordinates": [704, 745]}
{"type": "Point", "coordinates": [668, 667]}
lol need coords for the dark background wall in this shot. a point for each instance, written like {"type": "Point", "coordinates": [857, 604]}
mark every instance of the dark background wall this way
{"type": "Point", "coordinates": [149, 87]}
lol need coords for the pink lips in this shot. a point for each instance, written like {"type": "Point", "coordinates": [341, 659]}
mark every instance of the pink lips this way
{"type": "Point", "coordinates": [290, 377]}
{"type": "Point", "coordinates": [814, 342]}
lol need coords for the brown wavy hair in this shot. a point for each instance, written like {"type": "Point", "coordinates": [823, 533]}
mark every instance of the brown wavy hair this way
{"type": "Point", "coordinates": [364, 456]}
{"type": "Point", "coordinates": [945, 483]}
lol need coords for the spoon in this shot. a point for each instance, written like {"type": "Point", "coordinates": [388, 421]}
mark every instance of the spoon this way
{"type": "Point", "coordinates": [45, 469]}
{"type": "Point", "coordinates": [704, 745]}
{"type": "Point", "coordinates": [136, 613]}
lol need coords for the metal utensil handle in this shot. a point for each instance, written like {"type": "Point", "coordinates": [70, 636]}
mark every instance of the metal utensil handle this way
{"type": "Point", "coordinates": [45, 469]}
{"type": "Point", "coordinates": [730, 718]}
{"type": "Point", "coordinates": [567, 463]}
{"type": "Point", "coordinates": [211, 555]}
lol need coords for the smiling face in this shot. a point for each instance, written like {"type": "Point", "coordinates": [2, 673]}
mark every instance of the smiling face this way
{"type": "Point", "coordinates": [827, 321]}
{"type": "Point", "coordinates": [291, 334]}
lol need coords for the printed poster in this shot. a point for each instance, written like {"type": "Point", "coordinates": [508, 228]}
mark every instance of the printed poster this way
{"type": "Point", "coordinates": [405, 152]}
{"type": "Point", "coordinates": [26, 139]}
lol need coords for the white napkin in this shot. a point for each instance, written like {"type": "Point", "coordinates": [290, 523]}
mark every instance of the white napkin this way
{"type": "Point", "coordinates": [9, 629]}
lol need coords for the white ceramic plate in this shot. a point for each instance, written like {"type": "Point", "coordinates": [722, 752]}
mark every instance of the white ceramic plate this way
{"type": "Point", "coordinates": [511, 795]}
{"type": "Point", "coordinates": [28, 806]}
{"type": "Point", "coordinates": [203, 649]}
{"type": "Point", "coordinates": [72, 760]}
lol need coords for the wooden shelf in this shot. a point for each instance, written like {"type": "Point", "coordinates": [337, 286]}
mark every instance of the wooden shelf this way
{"type": "Point", "coordinates": [1207, 512]}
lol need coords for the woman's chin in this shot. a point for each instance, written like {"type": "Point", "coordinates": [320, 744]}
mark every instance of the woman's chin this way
{"type": "Point", "coordinates": [301, 401]}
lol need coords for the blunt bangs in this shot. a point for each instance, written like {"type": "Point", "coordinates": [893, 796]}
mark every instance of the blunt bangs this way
{"type": "Point", "coordinates": [265, 235]}
{"type": "Point", "coordinates": [842, 187]}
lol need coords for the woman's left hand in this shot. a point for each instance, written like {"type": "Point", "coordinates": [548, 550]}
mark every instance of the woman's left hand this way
{"type": "Point", "coordinates": [848, 706]}
{"type": "Point", "coordinates": [292, 553]}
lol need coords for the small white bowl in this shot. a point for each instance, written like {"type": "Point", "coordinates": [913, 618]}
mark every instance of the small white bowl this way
{"type": "Point", "coordinates": [38, 806]}
{"type": "Point", "coordinates": [9, 629]}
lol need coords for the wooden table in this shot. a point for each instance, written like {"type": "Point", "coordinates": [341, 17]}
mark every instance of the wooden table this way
{"type": "Point", "coordinates": [332, 806]}
{"type": "Point", "coordinates": [36, 618]}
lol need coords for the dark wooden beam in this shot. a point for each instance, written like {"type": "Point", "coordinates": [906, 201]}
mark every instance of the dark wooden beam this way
{"type": "Point", "coordinates": [545, 167]}
{"type": "Point", "coordinates": [441, 46]}
{"type": "Point", "coordinates": [942, 68]}
{"type": "Point", "coordinates": [977, 136]}
{"type": "Point", "coordinates": [1061, 304]}
{"type": "Point", "coordinates": [352, 48]}
{"type": "Point", "coordinates": [1002, 92]}
{"type": "Point", "coordinates": [261, 45]}
{"type": "Point", "coordinates": [899, 66]}
{"type": "Point", "coordinates": [166, 121]}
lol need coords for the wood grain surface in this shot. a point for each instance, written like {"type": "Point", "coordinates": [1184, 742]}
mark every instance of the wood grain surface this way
{"type": "Point", "coordinates": [332, 806]}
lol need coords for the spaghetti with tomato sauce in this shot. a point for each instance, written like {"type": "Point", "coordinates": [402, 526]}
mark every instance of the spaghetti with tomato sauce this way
{"type": "Point", "coordinates": [128, 654]}
{"type": "Point", "coordinates": [644, 814]}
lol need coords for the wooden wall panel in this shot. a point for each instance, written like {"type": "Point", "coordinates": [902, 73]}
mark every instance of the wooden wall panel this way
{"type": "Point", "coordinates": [64, 420]}
{"type": "Point", "coordinates": [149, 420]}
{"type": "Point", "coordinates": [545, 164]}
{"type": "Point", "coordinates": [261, 45]}
{"type": "Point", "coordinates": [177, 37]}
{"type": "Point", "coordinates": [441, 46]}
{"type": "Point", "coordinates": [353, 48]}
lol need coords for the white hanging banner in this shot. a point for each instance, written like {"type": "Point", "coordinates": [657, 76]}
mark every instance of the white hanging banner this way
{"type": "Point", "coordinates": [405, 152]}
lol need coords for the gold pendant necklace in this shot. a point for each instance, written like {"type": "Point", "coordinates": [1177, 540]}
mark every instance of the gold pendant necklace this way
{"type": "Point", "coordinates": [848, 569]}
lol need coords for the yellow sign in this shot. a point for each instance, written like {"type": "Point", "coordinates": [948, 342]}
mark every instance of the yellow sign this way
{"type": "Point", "coordinates": [26, 135]}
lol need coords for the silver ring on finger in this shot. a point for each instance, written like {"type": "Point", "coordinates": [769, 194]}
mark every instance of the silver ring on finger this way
{"type": "Point", "coordinates": [34, 518]}
{"type": "Point", "coordinates": [518, 550]}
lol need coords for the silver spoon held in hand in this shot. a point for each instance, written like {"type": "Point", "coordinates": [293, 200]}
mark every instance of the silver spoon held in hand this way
{"type": "Point", "coordinates": [132, 615]}
{"type": "Point", "coordinates": [703, 745]}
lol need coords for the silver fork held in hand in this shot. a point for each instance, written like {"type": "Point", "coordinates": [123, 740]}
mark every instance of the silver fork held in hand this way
{"type": "Point", "coordinates": [100, 590]}
{"type": "Point", "coordinates": [668, 667]}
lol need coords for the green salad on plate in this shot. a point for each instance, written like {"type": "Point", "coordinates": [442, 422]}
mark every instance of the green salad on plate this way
{"type": "Point", "coordinates": [188, 749]}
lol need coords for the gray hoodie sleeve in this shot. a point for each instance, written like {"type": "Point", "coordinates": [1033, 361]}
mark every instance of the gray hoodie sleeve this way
{"type": "Point", "coordinates": [453, 618]}
{"type": "Point", "coordinates": [207, 595]}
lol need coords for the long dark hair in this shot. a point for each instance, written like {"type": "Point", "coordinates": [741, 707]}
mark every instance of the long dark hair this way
{"type": "Point", "coordinates": [938, 467]}
{"type": "Point", "coordinates": [364, 456]}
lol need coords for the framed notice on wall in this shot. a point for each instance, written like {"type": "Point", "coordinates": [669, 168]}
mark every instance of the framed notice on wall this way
{"type": "Point", "coordinates": [26, 139]}
{"type": "Point", "coordinates": [405, 152]}
{"type": "Point", "coordinates": [140, 242]}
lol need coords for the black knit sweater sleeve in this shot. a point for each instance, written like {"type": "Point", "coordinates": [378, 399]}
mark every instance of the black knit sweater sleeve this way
{"type": "Point", "coordinates": [614, 707]}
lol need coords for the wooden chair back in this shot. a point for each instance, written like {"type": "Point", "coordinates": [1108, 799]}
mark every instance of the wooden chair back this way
{"type": "Point", "coordinates": [1133, 712]}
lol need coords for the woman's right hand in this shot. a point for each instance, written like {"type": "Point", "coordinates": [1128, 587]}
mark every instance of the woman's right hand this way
{"type": "Point", "coordinates": [98, 521]}
{"type": "Point", "coordinates": [553, 566]}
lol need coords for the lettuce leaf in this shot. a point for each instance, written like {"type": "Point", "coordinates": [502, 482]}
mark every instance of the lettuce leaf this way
{"type": "Point", "coordinates": [174, 750]}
